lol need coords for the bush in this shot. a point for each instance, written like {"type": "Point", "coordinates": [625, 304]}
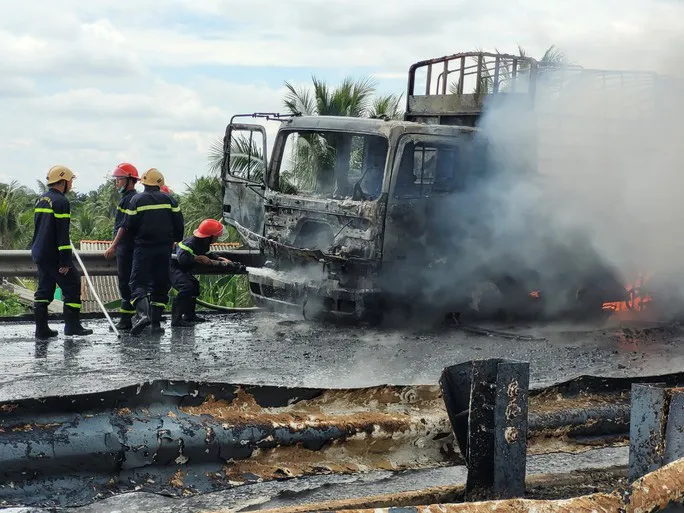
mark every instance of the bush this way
{"type": "Point", "coordinates": [230, 291]}
{"type": "Point", "coordinates": [10, 305]}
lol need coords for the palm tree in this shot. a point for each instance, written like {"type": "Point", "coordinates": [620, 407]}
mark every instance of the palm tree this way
{"type": "Point", "coordinates": [246, 158]}
{"type": "Point", "coordinates": [106, 198]}
{"type": "Point", "coordinates": [87, 223]}
{"type": "Point", "coordinates": [16, 214]}
{"type": "Point", "coordinates": [202, 200]}
{"type": "Point", "coordinates": [387, 107]}
{"type": "Point", "coordinates": [352, 98]}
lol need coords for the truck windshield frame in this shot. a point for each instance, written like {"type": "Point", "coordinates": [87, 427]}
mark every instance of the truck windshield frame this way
{"type": "Point", "coordinates": [330, 164]}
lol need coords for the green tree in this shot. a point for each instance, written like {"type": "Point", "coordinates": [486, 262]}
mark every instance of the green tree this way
{"type": "Point", "coordinates": [352, 98]}
{"type": "Point", "coordinates": [246, 158]}
{"type": "Point", "coordinates": [16, 215]}
{"type": "Point", "coordinates": [87, 223]}
{"type": "Point", "coordinates": [202, 200]}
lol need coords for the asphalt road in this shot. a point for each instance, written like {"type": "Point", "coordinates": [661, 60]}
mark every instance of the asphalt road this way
{"type": "Point", "coordinates": [260, 348]}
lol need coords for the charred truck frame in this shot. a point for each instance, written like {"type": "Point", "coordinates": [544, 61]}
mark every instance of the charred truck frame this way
{"type": "Point", "coordinates": [348, 211]}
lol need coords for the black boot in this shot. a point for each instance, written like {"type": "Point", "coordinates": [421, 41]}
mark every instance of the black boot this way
{"type": "Point", "coordinates": [125, 322]}
{"type": "Point", "coordinates": [156, 313]}
{"type": "Point", "coordinates": [190, 315]}
{"type": "Point", "coordinates": [178, 308]}
{"type": "Point", "coordinates": [142, 316]}
{"type": "Point", "coordinates": [43, 331]}
{"type": "Point", "coordinates": [72, 322]}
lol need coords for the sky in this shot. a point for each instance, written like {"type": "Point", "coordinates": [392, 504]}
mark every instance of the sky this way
{"type": "Point", "coordinates": [92, 84]}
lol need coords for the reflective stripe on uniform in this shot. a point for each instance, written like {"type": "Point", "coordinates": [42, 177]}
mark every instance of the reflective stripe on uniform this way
{"type": "Point", "coordinates": [64, 248]}
{"type": "Point", "coordinates": [155, 303]}
{"type": "Point", "coordinates": [186, 248]}
{"type": "Point", "coordinates": [50, 211]}
{"type": "Point", "coordinates": [124, 211]}
{"type": "Point", "coordinates": [74, 305]}
{"type": "Point", "coordinates": [42, 301]}
{"type": "Point", "coordinates": [153, 207]}
{"type": "Point", "coordinates": [121, 310]}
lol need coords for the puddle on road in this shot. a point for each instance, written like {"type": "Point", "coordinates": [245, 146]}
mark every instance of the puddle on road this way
{"type": "Point", "coordinates": [274, 350]}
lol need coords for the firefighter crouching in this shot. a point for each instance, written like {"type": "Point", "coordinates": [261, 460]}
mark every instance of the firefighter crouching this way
{"type": "Point", "coordinates": [125, 176]}
{"type": "Point", "coordinates": [190, 251]}
{"type": "Point", "coordinates": [52, 253]}
{"type": "Point", "coordinates": [154, 222]}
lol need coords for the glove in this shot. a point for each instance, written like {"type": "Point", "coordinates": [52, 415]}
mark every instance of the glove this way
{"type": "Point", "coordinates": [236, 267]}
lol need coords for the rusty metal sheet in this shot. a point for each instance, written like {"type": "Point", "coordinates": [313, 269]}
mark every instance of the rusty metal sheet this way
{"type": "Point", "coordinates": [185, 438]}
{"type": "Point", "coordinates": [596, 503]}
{"type": "Point", "coordinates": [655, 491]}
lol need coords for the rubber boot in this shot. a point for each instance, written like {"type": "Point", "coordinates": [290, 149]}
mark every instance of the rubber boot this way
{"type": "Point", "coordinates": [190, 315]}
{"type": "Point", "coordinates": [155, 314]}
{"type": "Point", "coordinates": [142, 316]}
{"type": "Point", "coordinates": [125, 322]}
{"type": "Point", "coordinates": [72, 322]}
{"type": "Point", "coordinates": [43, 331]}
{"type": "Point", "coordinates": [178, 308]}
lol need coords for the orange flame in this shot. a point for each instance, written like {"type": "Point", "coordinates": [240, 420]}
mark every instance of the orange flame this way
{"type": "Point", "coordinates": [637, 302]}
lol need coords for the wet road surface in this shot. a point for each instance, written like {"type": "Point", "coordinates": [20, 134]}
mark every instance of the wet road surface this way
{"type": "Point", "coordinates": [269, 349]}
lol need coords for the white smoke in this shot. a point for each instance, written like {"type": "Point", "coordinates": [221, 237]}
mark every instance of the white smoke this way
{"type": "Point", "coordinates": [608, 148]}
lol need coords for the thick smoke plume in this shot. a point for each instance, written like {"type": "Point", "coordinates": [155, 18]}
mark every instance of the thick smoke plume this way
{"type": "Point", "coordinates": [610, 183]}
{"type": "Point", "coordinates": [575, 191]}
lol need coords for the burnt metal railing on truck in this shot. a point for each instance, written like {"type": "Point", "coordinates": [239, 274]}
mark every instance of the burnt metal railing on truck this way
{"type": "Point", "coordinates": [455, 89]}
{"type": "Point", "coordinates": [486, 73]}
{"type": "Point", "coordinates": [482, 65]}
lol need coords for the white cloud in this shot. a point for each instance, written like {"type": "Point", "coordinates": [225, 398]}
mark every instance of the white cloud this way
{"type": "Point", "coordinates": [90, 84]}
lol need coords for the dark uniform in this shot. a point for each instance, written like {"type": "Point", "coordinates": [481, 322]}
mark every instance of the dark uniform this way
{"type": "Point", "coordinates": [154, 222]}
{"type": "Point", "coordinates": [51, 249]}
{"type": "Point", "coordinates": [124, 254]}
{"type": "Point", "coordinates": [184, 281]}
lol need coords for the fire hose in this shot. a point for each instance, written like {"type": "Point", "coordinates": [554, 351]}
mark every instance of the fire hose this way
{"type": "Point", "coordinates": [93, 290]}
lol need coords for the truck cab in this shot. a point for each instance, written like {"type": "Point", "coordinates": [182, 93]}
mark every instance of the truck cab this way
{"type": "Point", "coordinates": [356, 216]}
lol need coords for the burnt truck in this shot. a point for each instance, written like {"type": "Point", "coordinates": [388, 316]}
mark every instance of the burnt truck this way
{"type": "Point", "coordinates": [358, 217]}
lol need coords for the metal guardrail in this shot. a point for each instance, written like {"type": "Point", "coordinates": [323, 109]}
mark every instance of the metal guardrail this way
{"type": "Point", "coordinates": [19, 263]}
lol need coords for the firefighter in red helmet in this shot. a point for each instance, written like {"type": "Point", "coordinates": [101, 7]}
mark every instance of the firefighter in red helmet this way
{"type": "Point", "coordinates": [125, 177]}
{"type": "Point", "coordinates": [192, 250]}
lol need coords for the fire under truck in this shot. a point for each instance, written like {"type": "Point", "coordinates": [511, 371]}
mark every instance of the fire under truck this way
{"type": "Point", "coordinates": [358, 217]}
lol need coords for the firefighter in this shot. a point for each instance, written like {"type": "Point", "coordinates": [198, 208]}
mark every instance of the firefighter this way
{"type": "Point", "coordinates": [194, 249]}
{"type": "Point", "coordinates": [51, 250]}
{"type": "Point", "coordinates": [125, 176]}
{"type": "Point", "coordinates": [154, 222]}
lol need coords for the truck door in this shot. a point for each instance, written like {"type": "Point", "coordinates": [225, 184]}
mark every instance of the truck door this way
{"type": "Point", "coordinates": [404, 243]}
{"type": "Point", "coordinates": [243, 173]}
{"type": "Point", "coordinates": [427, 214]}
